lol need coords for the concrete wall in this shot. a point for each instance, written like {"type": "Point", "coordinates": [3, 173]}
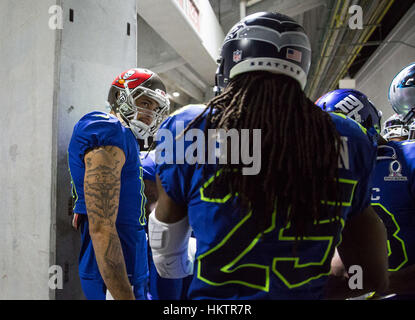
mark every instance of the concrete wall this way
{"type": "Point", "coordinates": [95, 48]}
{"type": "Point", "coordinates": [27, 55]}
{"type": "Point", "coordinates": [376, 75]}
{"type": "Point", "coordinates": [203, 34]}
{"type": "Point", "coordinates": [50, 79]}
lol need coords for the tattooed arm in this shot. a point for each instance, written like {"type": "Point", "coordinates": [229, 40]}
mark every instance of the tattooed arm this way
{"type": "Point", "coordinates": [102, 184]}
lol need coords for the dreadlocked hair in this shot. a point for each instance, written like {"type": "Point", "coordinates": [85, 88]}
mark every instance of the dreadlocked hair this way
{"type": "Point", "coordinates": [299, 150]}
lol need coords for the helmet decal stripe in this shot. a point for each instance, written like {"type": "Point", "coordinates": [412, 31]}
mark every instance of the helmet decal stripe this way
{"type": "Point", "coordinates": [279, 40]}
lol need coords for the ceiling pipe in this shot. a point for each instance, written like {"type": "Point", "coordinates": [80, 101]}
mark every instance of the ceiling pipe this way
{"type": "Point", "coordinates": [353, 36]}
{"type": "Point", "coordinates": [348, 36]}
{"type": "Point", "coordinates": [323, 52]}
{"type": "Point", "coordinates": [341, 51]}
{"type": "Point", "coordinates": [378, 19]}
{"type": "Point", "coordinates": [331, 70]}
{"type": "Point", "coordinates": [337, 37]}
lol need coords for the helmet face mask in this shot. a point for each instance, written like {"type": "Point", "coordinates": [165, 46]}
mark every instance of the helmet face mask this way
{"type": "Point", "coordinates": [126, 91]}
{"type": "Point", "coordinates": [402, 93]}
{"type": "Point", "coordinates": [411, 131]}
{"type": "Point", "coordinates": [264, 42]}
{"type": "Point", "coordinates": [394, 127]}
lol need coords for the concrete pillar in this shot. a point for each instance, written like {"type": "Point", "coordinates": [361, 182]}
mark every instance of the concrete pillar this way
{"type": "Point", "coordinates": [53, 77]}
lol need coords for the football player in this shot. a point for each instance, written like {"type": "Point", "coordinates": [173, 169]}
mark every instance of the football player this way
{"type": "Point", "coordinates": [270, 235]}
{"type": "Point", "coordinates": [107, 182]}
{"type": "Point", "coordinates": [398, 176]}
{"type": "Point", "coordinates": [393, 189]}
{"type": "Point", "coordinates": [395, 129]}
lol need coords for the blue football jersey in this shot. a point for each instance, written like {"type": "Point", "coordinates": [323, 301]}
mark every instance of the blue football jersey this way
{"type": "Point", "coordinates": [101, 129]}
{"type": "Point", "coordinates": [393, 198]}
{"type": "Point", "coordinates": [233, 260]}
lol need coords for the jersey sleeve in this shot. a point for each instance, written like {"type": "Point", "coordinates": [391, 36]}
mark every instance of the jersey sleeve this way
{"type": "Point", "coordinates": [365, 158]}
{"type": "Point", "coordinates": [174, 173]}
{"type": "Point", "coordinates": [171, 173]}
{"type": "Point", "coordinates": [408, 149]}
{"type": "Point", "coordinates": [149, 165]}
{"type": "Point", "coordinates": [98, 129]}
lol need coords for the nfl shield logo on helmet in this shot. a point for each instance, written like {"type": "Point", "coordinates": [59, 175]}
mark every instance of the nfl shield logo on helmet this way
{"type": "Point", "coordinates": [161, 92]}
{"type": "Point", "coordinates": [237, 55]}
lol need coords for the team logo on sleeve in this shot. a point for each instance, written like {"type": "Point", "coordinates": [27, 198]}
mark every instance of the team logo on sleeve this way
{"type": "Point", "coordinates": [395, 172]}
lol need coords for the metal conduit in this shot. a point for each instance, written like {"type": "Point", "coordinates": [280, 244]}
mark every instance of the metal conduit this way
{"type": "Point", "coordinates": [343, 48]}
{"type": "Point", "coordinates": [334, 59]}
{"type": "Point", "coordinates": [327, 36]}
{"type": "Point", "coordinates": [386, 6]}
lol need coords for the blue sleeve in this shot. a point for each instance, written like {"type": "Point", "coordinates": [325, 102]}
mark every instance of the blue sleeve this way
{"type": "Point", "coordinates": [408, 148]}
{"type": "Point", "coordinates": [168, 168]}
{"type": "Point", "coordinates": [362, 149]}
{"type": "Point", "coordinates": [95, 130]}
{"type": "Point", "coordinates": [174, 173]}
{"type": "Point", "coordinates": [149, 165]}
{"type": "Point", "coordinates": [366, 160]}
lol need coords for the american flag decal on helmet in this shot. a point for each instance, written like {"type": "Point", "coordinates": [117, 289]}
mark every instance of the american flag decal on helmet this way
{"type": "Point", "coordinates": [293, 54]}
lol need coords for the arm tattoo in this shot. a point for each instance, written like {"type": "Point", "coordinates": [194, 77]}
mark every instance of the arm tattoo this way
{"type": "Point", "coordinates": [113, 258]}
{"type": "Point", "coordinates": [102, 185]}
{"type": "Point", "coordinates": [102, 188]}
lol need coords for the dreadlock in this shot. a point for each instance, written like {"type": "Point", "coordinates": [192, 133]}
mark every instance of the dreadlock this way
{"type": "Point", "coordinates": [299, 149]}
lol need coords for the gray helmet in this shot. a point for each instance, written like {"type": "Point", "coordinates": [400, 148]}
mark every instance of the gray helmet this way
{"type": "Point", "coordinates": [402, 93]}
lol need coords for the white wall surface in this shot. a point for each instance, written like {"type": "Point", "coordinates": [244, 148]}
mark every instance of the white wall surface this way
{"type": "Point", "coordinates": [27, 55]}
{"type": "Point", "coordinates": [95, 48]}
{"type": "Point", "coordinates": [199, 47]}
{"type": "Point", "coordinates": [50, 79]}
